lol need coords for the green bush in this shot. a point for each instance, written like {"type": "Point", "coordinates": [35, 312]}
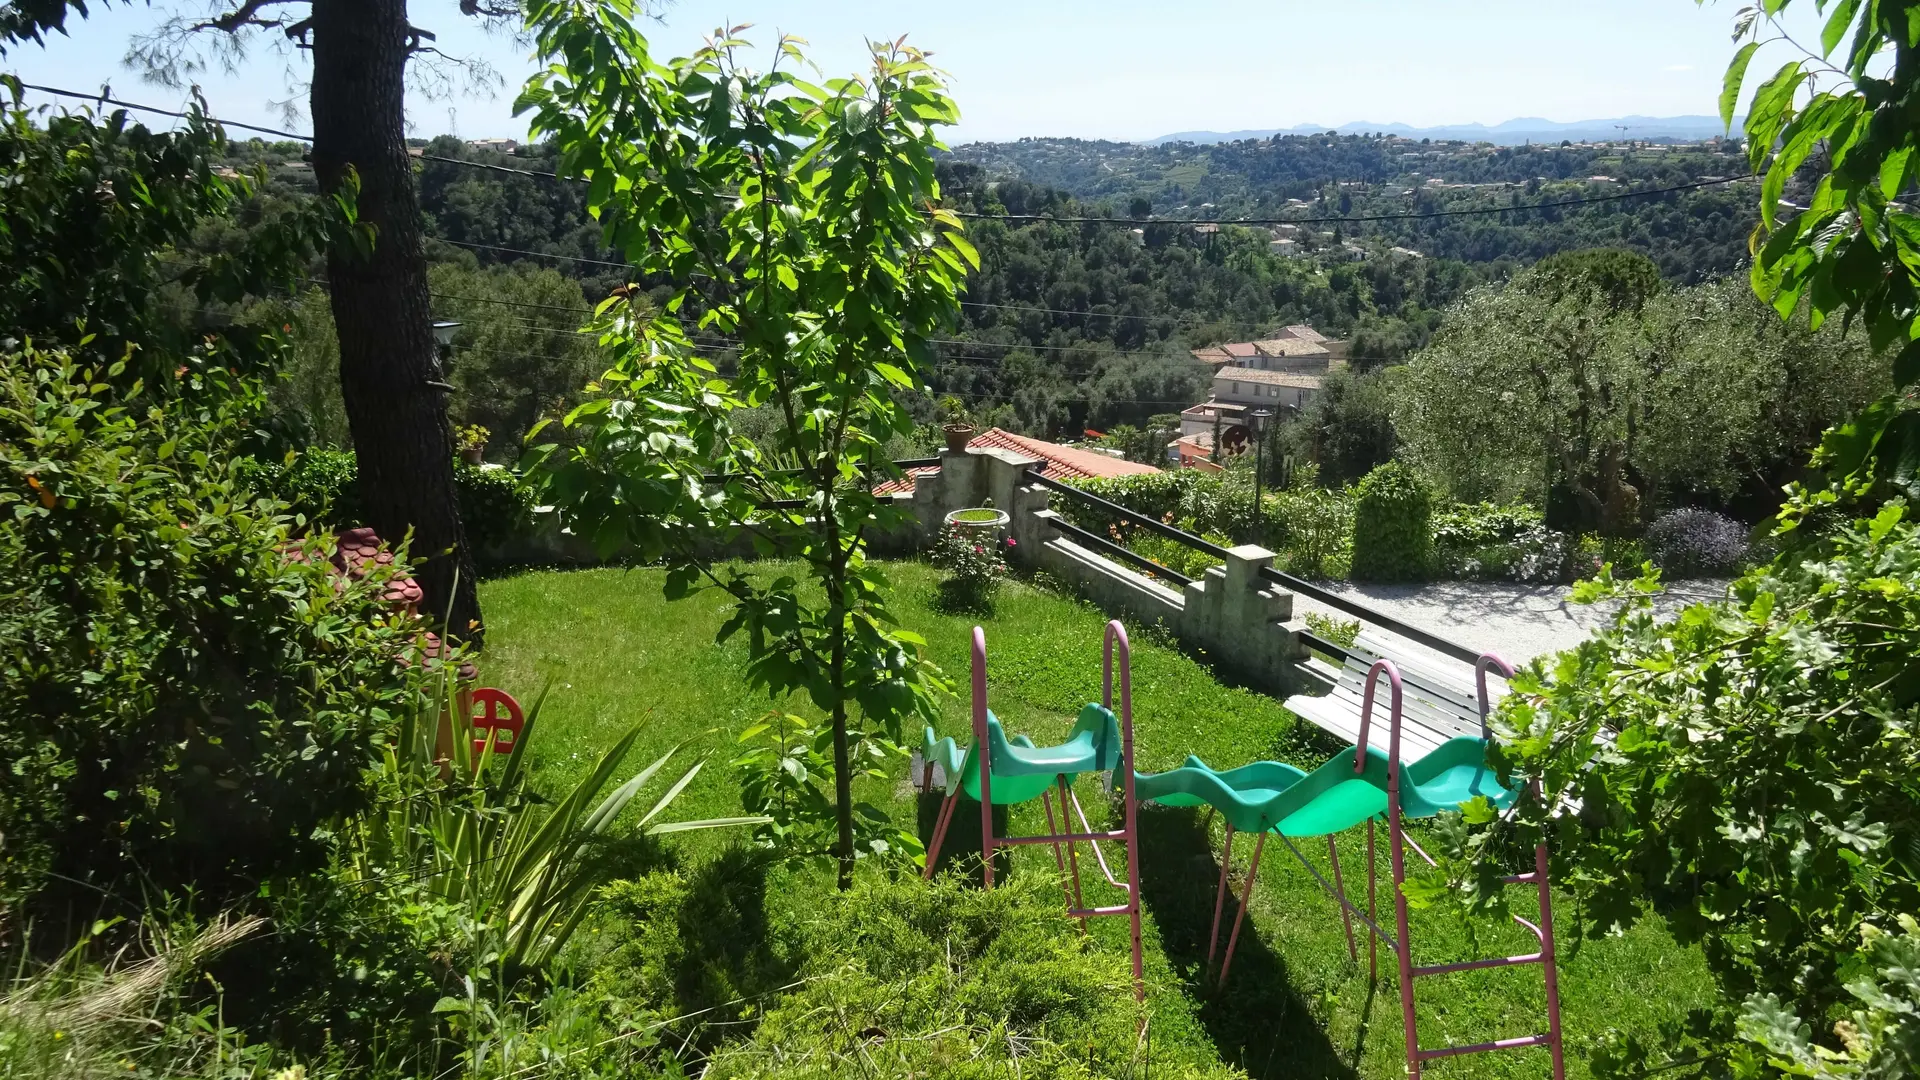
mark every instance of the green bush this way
{"type": "Point", "coordinates": [186, 701]}
{"type": "Point", "coordinates": [495, 506]}
{"type": "Point", "coordinates": [1769, 737]}
{"type": "Point", "coordinates": [1879, 1041]}
{"type": "Point", "coordinates": [319, 484]}
{"type": "Point", "coordinates": [1182, 559]}
{"type": "Point", "coordinates": [1392, 534]}
{"type": "Point", "coordinates": [1313, 526]}
{"type": "Point", "coordinates": [1464, 526]}
{"type": "Point", "coordinates": [1490, 542]}
{"type": "Point", "coordinates": [1165, 496]}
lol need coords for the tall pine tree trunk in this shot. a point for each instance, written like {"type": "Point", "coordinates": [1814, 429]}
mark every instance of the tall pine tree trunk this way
{"type": "Point", "coordinates": [381, 309]}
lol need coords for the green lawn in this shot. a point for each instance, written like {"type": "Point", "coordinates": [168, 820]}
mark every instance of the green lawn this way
{"type": "Point", "coordinates": [621, 655]}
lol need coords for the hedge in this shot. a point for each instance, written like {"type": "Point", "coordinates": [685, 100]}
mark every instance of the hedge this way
{"type": "Point", "coordinates": [1392, 530]}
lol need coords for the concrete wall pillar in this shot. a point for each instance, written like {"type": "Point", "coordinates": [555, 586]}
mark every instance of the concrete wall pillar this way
{"type": "Point", "coordinates": [1238, 618]}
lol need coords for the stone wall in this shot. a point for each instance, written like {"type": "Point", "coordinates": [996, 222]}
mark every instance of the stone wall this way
{"type": "Point", "coordinates": [1243, 623]}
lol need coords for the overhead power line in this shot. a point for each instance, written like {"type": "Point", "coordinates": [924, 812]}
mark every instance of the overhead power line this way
{"type": "Point", "coordinates": [533, 254]}
{"type": "Point", "coordinates": [105, 100]}
{"type": "Point", "coordinates": [979, 216]}
{"type": "Point", "coordinates": [1349, 218]}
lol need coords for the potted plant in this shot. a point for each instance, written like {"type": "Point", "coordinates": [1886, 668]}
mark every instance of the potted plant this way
{"type": "Point", "coordinates": [471, 440]}
{"type": "Point", "coordinates": [972, 553]}
{"type": "Point", "coordinates": [955, 425]}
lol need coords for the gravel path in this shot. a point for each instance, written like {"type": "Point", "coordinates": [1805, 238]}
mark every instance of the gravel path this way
{"type": "Point", "coordinates": [1519, 622]}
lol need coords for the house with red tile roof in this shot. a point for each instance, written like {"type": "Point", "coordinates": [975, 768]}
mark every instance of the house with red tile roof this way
{"type": "Point", "coordinates": [1062, 462]}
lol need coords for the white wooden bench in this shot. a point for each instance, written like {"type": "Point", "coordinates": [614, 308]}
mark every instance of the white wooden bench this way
{"type": "Point", "coordinates": [1438, 702]}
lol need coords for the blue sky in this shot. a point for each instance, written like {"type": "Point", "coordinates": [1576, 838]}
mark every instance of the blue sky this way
{"type": "Point", "coordinates": [1119, 69]}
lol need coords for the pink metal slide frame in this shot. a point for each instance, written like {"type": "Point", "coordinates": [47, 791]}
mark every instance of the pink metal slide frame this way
{"type": "Point", "coordinates": [1543, 932]}
{"type": "Point", "coordinates": [1061, 833]}
{"type": "Point", "coordinates": [1400, 941]}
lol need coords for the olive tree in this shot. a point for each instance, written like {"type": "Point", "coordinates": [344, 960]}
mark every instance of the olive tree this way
{"type": "Point", "coordinates": [1686, 394]}
{"type": "Point", "coordinates": [1518, 393]}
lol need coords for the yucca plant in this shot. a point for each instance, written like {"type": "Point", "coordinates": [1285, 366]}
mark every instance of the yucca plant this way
{"type": "Point", "coordinates": [472, 832]}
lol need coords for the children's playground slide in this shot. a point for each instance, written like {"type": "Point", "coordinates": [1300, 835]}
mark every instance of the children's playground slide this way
{"type": "Point", "coordinates": [1359, 786]}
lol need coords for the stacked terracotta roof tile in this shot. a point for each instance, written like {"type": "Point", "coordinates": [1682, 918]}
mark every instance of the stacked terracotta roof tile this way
{"type": "Point", "coordinates": [359, 552]}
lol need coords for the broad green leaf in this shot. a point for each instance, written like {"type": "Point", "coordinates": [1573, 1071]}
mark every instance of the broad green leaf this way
{"type": "Point", "coordinates": [1839, 20]}
{"type": "Point", "coordinates": [1731, 82]}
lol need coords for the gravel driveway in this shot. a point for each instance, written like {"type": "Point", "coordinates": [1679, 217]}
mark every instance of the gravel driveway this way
{"type": "Point", "coordinates": [1519, 622]}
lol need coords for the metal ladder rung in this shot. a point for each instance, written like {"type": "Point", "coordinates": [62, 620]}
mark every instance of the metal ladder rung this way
{"type": "Point", "coordinates": [1475, 965]}
{"type": "Point", "coordinates": [1498, 1044]}
{"type": "Point", "coordinates": [1058, 838]}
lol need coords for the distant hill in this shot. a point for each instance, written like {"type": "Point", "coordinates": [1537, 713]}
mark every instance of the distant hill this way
{"type": "Point", "coordinates": [1511, 133]}
{"type": "Point", "coordinates": [1692, 234]}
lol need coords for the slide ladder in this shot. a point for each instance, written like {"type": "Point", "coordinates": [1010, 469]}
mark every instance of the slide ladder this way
{"type": "Point", "coordinates": [1364, 785]}
{"type": "Point", "coordinates": [998, 771]}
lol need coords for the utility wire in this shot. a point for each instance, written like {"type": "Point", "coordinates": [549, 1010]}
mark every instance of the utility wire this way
{"type": "Point", "coordinates": [105, 100]}
{"type": "Point", "coordinates": [1095, 347]}
{"type": "Point", "coordinates": [1465, 212]}
{"type": "Point", "coordinates": [979, 216]}
{"type": "Point", "coordinates": [534, 254]}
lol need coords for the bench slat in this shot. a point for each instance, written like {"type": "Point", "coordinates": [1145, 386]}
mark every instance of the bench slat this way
{"type": "Point", "coordinates": [1354, 671]}
{"type": "Point", "coordinates": [1457, 680]}
{"type": "Point", "coordinates": [1440, 724]}
{"type": "Point", "coordinates": [1450, 713]}
{"type": "Point", "coordinates": [1343, 720]}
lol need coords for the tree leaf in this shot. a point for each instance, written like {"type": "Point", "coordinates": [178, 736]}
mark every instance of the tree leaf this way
{"type": "Point", "coordinates": [1837, 24]}
{"type": "Point", "coordinates": [1731, 83]}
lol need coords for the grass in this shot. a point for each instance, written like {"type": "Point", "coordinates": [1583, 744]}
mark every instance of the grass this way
{"type": "Point", "coordinates": [1296, 1006]}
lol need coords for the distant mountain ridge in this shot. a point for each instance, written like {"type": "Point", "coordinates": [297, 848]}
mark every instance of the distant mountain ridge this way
{"type": "Point", "coordinates": [1509, 133]}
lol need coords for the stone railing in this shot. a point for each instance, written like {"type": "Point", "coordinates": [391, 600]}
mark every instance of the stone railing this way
{"type": "Point", "coordinates": [1243, 622]}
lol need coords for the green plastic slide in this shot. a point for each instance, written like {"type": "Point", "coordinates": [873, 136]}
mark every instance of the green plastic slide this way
{"type": "Point", "coordinates": [1332, 798]}
{"type": "Point", "coordinates": [1022, 771]}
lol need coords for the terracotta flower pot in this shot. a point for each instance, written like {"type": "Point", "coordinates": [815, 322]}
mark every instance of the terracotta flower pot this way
{"type": "Point", "coordinates": [957, 437]}
{"type": "Point", "coordinates": [472, 454]}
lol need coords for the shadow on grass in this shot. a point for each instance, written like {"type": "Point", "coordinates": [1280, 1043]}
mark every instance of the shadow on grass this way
{"type": "Point", "coordinates": [725, 952]}
{"type": "Point", "coordinates": [957, 597]}
{"type": "Point", "coordinates": [1259, 1021]}
{"type": "Point", "coordinates": [960, 851]}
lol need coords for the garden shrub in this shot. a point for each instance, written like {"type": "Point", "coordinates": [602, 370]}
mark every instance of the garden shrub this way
{"type": "Point", "coordinates": [1192, 501]}
{"type": "Point", "coordinates": [1490, 542]}
{"type": "Point", "coordinates": [1770, 737]}
{"type": "Point", "coordinates": [1341, 632]}
{"type": "Point", "coordinates": [1697, 543]}
{"type": "Point", "coordinates": [1314, 527]}
{"type": "Point", "coordinates": [1308, 524]}
{"type": "Point", "coordinates": [1472, 525]}
{"type": "Point", "coordinates": [185, 701]}
{"type": "Point", "coordinates": [495, 507]}
{"type": "Point", "coordinates": [1181, 558]}
{"type": "Point", "coordinates": [1392, 534]}
{"type": "Point", "coordinates": [320, 485]}
{"type": "Point", "coordinates": [974, 559]}
{"type": "Point", "coordinates": [1880, 1040]}
{"type": "Point", "coordinates": [1165, 496]}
